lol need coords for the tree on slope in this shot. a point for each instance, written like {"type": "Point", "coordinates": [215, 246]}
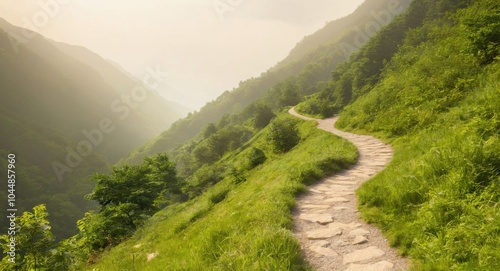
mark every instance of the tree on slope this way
{"type": "Point", "coordinates": [127, 197]}
{"type": "Point", "coordinates": [33, 242]}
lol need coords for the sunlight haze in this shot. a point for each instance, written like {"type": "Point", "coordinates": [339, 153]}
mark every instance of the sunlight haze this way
{"type": "Point", "coordinates": [205, 47]}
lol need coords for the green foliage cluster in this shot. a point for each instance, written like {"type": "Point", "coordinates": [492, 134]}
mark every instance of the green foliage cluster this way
{"type": "Point", "coordinates": [436, 97]}
{"type": "Point", "coordinates": [355, 78]}
{"type": "Point", "coordinates": [33, 244]}
{"type": "Point", "coordinates": [483, 28]}
{"type": "Point", "coordinates": [217, 144]}
{"type": "Point", "coordinates": [236, 225]}
{"type": "Point", "coordinates": [127, 197]}
{"type": "Point", "coordinates": [263, 115]}
{"type": "Point", "coordinates": [283, 134]}
{"type": "Point", "coordinates": [255, 157]}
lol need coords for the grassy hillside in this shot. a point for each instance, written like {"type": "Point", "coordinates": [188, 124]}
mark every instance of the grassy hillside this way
{"type": "Point", "coordinates": [307, 67]}
{"type": "Point", "coordinates": [244, 221]}
{"type": "Point", "coordinates": [437, 98]}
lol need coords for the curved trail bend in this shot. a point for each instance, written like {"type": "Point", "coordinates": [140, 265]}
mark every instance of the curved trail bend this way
{"type": "Point", "coordinates": [326, 220]}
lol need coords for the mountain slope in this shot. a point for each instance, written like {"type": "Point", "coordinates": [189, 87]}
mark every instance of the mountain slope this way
{"type": "Point", "coordinates": [162, 112]}
{"type": "Point", "coordinates": [436, 97]}
{"type": "Point", "coordinates": [310, 63]}
{"type": "Point", "coordinates": [243, 222]}
{"type": "Point", "coordinates": [65, 121]}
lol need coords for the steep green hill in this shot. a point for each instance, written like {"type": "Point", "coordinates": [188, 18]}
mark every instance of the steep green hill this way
{"type": "Point", "coordinates": [65, 120]}
{"type": "Point", "coordinates": [436, 95]}
{"type": "Point", "coordinates": [243, 222]}
{"type": "Point", "coordinates": [307, 66]}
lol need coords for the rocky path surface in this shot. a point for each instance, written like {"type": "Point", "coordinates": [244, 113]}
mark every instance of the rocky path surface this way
{"type": "Point", "coordinates": [326, 219]}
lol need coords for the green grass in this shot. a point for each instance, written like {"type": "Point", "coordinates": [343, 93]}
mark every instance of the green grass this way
{"type": "Point", "coordinates": [439, 105]}
{"type": "Point", "coordinates": [243, 225]}
{"type": "Point", "coordinates": [438, 199]}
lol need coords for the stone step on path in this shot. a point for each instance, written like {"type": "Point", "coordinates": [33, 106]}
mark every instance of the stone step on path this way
{"type": "Point", "coordinates": [327, 222]}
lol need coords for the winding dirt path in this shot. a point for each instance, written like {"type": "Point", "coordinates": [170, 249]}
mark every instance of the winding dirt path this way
{"type": "Point", "coordinates": [326, 220]}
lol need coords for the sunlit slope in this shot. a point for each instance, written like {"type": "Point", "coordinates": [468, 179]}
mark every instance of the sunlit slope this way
{"type": "Point", "coordinates": [437, 98]}
{"type": "Point", "coordinates": [244, 221]}
{"type": "Point", "coordinates": [309, 64]}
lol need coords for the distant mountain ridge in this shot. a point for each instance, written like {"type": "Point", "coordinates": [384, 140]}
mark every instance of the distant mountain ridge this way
{"type": "Point", "coordinates": [66, 113]}
{"type": "Point", "coordinates": [310, 62]}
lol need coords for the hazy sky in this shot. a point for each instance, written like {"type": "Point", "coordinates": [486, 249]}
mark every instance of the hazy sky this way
{"type": "Point", "coordinates": [204, 46]}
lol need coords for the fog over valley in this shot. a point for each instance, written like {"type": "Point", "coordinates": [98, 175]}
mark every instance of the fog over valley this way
{"type": "Point", "coordinates": [201, 47]}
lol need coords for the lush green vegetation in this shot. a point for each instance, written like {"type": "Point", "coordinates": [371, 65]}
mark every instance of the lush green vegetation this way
{"type": "Point", "coordinates": [356, 77]}
{"type": "Point", "coordinates": [33, 238]}
{"type": "Point", "coordinates": [243, 222]}
{"type": "Point", "coordinates": [127, 197]}
{"type": "Point", "coordinates": [436, 97]}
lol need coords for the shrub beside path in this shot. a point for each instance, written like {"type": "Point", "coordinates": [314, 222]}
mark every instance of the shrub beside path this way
{"type": "Point", "coordinates": [327, 222]}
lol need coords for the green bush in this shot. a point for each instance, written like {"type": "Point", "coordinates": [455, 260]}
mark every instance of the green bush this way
{"type": "Point", "coordinates": [255, 157]}
{"type": "Point", "coordinates": [283, 134]}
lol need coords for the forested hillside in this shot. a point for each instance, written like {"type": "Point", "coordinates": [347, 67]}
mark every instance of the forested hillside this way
{"type": "Point", "coordinates": [64, 120]}
{"type": "Point", "coordinates": [308, 65]}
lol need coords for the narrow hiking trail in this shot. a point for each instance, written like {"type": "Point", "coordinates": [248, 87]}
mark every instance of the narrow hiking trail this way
{"type": "Point", "coordinates": [327, 222]}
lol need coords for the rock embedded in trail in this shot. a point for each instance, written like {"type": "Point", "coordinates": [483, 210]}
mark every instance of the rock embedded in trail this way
{"type": "Point", "coordinates": [323, 233]}
{"type": "Point", "coordinates": [343, 226]}
{"type": "Point", "coordinates": [324, 251]}
{"type": "Point", "coordinates": [321, 243]}
{"type": "Point", "coordinates": [368, 253]}
{"type": "Point", "coordinates": [359, 240]}
{"type": "Point", "coordinates": [359, 232]}
{"type": "Point", "coordinates": [336, 199]}
{"type": "Point", "coordinates": [314, 206]}
{"type": "Point", "coordinates": [322, 219]}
